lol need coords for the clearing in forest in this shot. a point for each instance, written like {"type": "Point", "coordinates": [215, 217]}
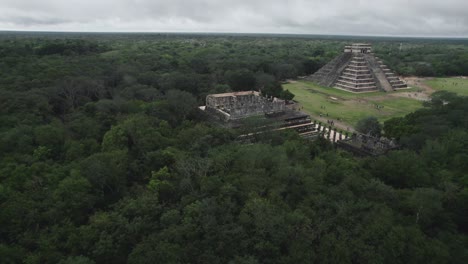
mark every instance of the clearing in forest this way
{"type": "Point", "coordinates": [346, 108]}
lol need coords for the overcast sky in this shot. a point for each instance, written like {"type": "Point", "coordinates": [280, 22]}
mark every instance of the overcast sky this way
{"type": "Point", "coordinates": [348, 17]}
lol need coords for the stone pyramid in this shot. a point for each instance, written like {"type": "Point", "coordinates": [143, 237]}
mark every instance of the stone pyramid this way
{"type": "Point", "coordinates": [358, 70]}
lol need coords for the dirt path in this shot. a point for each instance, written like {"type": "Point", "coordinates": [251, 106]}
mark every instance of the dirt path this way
{"type": "Point", "coordinates": [420, 83]}
{"type": "Point", "coordinates": [336, 123]}
{"type": "Point", "coordinates": [420, 96]}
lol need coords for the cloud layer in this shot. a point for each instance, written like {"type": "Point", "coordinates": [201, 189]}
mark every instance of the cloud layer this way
{"type": "Point", "coordinates": [350, 17]}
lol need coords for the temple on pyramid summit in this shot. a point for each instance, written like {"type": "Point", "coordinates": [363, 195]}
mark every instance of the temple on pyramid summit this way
{"type": "Point", "coordinates": [358, 70]}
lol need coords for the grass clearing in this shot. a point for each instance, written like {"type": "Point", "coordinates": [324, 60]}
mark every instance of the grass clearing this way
{"type": "Point", "coordinates": [347, 106]}
{"type": "Point", "coordinates": [456, 85]}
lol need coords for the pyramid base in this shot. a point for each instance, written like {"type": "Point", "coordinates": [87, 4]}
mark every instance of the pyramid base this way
{"type": "Point", "coordinates": [356, 90]}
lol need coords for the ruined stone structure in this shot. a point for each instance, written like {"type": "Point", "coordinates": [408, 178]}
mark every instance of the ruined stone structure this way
{"type": "Point", "coordinates": [366, 145]}
{"type": "Point", "coordinates": [357, 70]}
{"type": "Point", "coordinates": [238, 105]}
{"type": "Point", "coordinates": [229, 109]}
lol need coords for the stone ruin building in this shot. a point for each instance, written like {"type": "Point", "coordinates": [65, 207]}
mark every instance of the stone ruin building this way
{"type": "Point", "coordinates": [366, 145]}
{"type": "Point", "coordinates": [237, 105]}
{"type": "Point", "coordinates": [358, 70]}
{"type": "Point", "coordinates": [230, 108]}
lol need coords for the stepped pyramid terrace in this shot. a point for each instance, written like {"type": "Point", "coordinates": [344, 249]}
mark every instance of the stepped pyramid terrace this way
{"type": "Point", "coordinates": [358, 70]}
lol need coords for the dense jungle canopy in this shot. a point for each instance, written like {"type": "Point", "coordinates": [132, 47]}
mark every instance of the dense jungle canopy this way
{"type": "Point", "coordinates": [104, 157]}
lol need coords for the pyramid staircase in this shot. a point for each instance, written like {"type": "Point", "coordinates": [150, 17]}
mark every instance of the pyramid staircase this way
{"type": "Point", "coordinates": [396, 82]}
{"type": "Point", "coordinates": [327, 75]}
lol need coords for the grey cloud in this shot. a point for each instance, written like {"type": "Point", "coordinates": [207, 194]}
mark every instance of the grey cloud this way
{"type": "Point", "coordinates": [28, 21]}
{"type": "Point", "coordinates": [368, 17]}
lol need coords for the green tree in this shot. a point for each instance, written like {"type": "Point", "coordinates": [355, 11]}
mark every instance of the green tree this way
{"type": "Point", "coordinates": [369, 125]}
{"type": "Point", "coordinates": [240, 80]}
{"type": "Point", "coordinates": [181, 103]}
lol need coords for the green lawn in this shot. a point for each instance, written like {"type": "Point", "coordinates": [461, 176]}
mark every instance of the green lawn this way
{"type": "Point", "coordinates": [350, 107]}
{"type": "Point", "coordinates": [456, 85]}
